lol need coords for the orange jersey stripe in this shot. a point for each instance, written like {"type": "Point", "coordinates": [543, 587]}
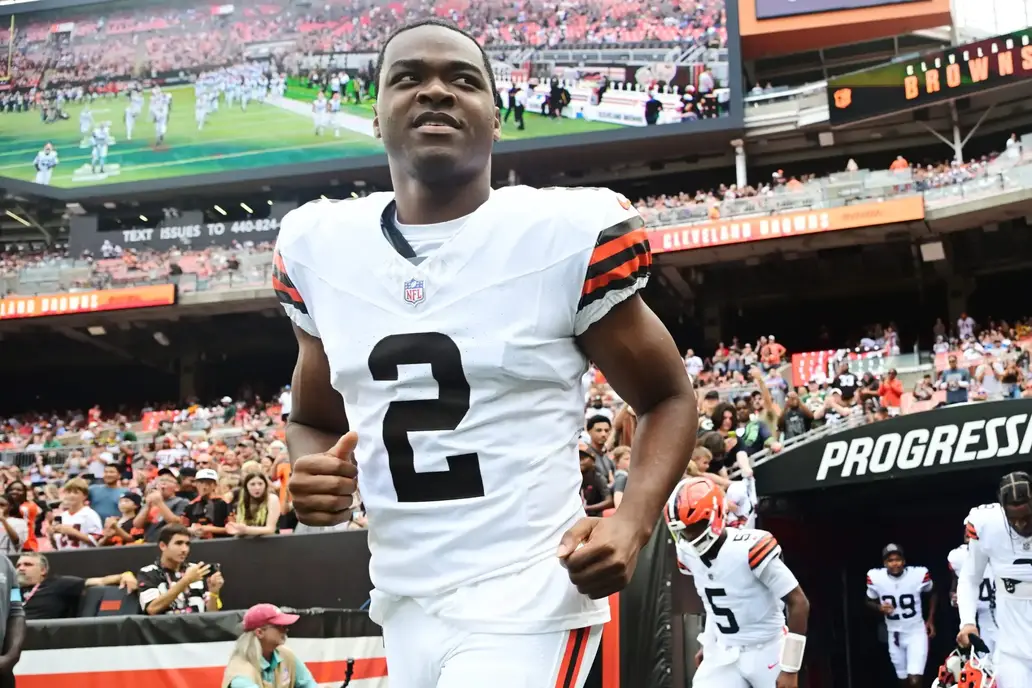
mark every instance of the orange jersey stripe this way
{"type": "Point", "coordinates": [293, 293]}
{"type": "Point", "coordinates": [620, 272]}
{"type": "Point", "coordinates": [614, 246]}
{"type": "Point", "coordinates": [760, 550]}
{"type": "Point", "coordinates": [969, 530]}
{"type": "Point", "coordinates": [277, 262]}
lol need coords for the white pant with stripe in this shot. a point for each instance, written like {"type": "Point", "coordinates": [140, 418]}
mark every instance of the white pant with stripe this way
{"type": "Point", "coordinates": [424, 651]}
{"type": "Point", "coordinates": [752, 666]}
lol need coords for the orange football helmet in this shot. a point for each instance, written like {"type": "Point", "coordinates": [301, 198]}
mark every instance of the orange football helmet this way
{"type": "Point", "coordinates": [971, 668]}
{"type": "Point", "coordinates": [696, 513]}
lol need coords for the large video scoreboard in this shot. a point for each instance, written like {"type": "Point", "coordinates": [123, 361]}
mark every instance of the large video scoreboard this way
{"type": "Point", "coordinates": [931, 78]}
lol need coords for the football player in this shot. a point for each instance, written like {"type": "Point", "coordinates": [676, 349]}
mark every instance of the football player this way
{"type": "Point", "coordinates": [470, 310]}
{"type": "Point", "coordinates": [742, 581]}
{"type": "Point", "coordinates": [895, 591]}
{"type": "Point", "coordinates": [986, 616]}
{"type": "Point", "coordinates": [1000, 536]}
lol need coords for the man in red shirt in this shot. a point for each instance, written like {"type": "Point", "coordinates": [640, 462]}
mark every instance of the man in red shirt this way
{"type": "Point", "coordinates": [891, 393]}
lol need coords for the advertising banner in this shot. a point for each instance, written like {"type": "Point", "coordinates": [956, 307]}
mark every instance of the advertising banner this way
{"type": "Point", "coordinates": [188, 231]}
{"type": "Point", "coordinates": [807, 364]}
{"type": "Point", "coordinates": [174, 651]}
{"type": "Point", "coordinates": [782, 225]}
{"type": "Point", "coordinates": [772, 9]}
{"type": "Point", "coordinates": [956, 438]}
{"type": "Point", "coordinates": [94, 301]}
{"type": "Point", "coordinates": [930, 78]}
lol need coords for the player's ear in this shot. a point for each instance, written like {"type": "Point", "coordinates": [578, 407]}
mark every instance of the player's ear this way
{"type": "Point", "coordinates": [497, 133]}
{"type": "Point", "coordinates": [376, 124]}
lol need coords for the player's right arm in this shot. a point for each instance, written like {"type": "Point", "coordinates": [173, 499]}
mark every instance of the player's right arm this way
{"type": "Point", "coordinates": [767, 565]}
{"type": "Point", "coordinates": [321, 448]}
{"type": "Point", "coordinates": [968, 583]}
{"type": "Point", "coordinates": [874, 598]}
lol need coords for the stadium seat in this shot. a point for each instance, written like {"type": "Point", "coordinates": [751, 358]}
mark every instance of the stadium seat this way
{"type": "Point", "coordinates": [108, 600]}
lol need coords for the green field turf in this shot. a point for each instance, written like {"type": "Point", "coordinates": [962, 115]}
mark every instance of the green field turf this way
{"type": "Point", "coordinates": [536, 125]}
{"type": "Point", "coordinates": [263, 136]}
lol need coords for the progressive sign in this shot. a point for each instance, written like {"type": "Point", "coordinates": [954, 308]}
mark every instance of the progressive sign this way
{"type": "Point", "coordinates": [957, 438]}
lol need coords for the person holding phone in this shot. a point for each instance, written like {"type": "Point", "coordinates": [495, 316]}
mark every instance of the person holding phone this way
{"type": "Point", "coordinates": [171, 585]}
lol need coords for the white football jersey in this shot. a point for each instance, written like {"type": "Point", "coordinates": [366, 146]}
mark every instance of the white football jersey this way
{"type": "Point", "coordinates": [742, 587]}
{"type": "Point", "coordinates": [904, 593]}
{"type": "Point", "coordinates": [987, 590]}
{"type": "Point", "coordinates": [742, 493]}
{"type": "Point", "coordinates": [992, 542]}
{"type": "Point", "coordinates": [439, 362]}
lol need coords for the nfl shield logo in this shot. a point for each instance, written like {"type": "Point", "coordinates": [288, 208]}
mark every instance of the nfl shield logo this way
{"type": "Point", "coordinates": [414, 291]}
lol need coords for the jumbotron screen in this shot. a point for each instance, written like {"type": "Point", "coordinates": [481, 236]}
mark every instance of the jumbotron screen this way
{"type": "Point", "coordinates": [144, 91]}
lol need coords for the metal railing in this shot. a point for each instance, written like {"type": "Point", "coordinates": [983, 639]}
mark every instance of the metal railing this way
{"type": "Point", "coordinates": [815, 435]}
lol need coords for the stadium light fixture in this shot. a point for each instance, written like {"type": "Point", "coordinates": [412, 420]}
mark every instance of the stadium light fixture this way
{"type": "Point", "coordinates": [96, 330]}
{"type": "Point", "coordinates": [269, 201]}
{"type": "Point", "coordinates": [323, 197]}
{"type": "Point", "coordinates": [247, 208]}
{"type": "Point", "coordinates": [160, 338]}
{"type": "Point", "coordinates": [143, 218]}
{"type": "Point", "coordinates": [219, 210]}
{"type": "Point", "coordinates": [17, 218]}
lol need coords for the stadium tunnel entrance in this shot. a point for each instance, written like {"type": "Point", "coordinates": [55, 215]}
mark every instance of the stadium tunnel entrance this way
{"type": "Point", "coordinates": [832, 537]}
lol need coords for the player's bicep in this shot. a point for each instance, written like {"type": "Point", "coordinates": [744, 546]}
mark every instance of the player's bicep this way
{"type": "Point", "coordinates": [314, 401]}
{"type": "Point", "coordinates": [872, 591]}
{"type": "Point", "coordinates": [637, 354]}
{"type": "Point", "coordinates": [777, 577]}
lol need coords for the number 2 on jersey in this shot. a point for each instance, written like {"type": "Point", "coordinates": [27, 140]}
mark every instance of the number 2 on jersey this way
{"type": "Point", "coordinates": [462, 480]}
{"type": "Point", "coordinates": [728, 615]}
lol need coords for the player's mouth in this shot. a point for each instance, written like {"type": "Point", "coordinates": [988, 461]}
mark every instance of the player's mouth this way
{"type": "Point", "coordinates": [435, 122]}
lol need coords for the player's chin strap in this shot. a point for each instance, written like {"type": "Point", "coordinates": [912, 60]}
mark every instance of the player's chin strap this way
{"type": "Point", "coordinates": [791, 659]}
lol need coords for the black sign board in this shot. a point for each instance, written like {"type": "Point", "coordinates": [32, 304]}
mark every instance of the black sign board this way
{"type": "Point", "coordinates": [952, 439]}
{"type": "Point", "coordinates": [774, 9]}
{"type": "Point", "coordinates": [931, 78]}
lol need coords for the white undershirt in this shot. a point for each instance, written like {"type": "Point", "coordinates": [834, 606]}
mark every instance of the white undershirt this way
{"type": "Point", "coordinates": [425, 239]}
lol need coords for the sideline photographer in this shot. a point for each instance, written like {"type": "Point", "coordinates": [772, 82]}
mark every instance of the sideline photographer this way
{"type": "Point", "coordinates": [260, 657]}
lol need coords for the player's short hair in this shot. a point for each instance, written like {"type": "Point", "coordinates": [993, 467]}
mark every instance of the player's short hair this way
{"type": "Point", "coordinates": [1015, 489]}
{"type": "Point", "coordinates": [443, 24]}
{"type": "Point", "coordinates": [594, 420]}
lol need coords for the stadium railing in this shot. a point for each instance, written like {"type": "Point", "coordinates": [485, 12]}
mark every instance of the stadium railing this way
{"type": "Point", "coordinates": [814, 435]}
{"type": "Point", "coordinates": [1005, 174]}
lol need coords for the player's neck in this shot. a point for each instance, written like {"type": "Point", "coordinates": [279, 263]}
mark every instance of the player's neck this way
{"type": "Point", "coordinates": [713, 551]}
{"type": "Point", "coordinates": [421, 204]}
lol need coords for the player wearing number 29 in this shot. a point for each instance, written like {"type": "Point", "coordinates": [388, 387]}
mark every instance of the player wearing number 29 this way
{"type": "Point", "coordinates": [1000, 536]}
{"type": "Point", "coordinates": [895, 591]}
{"type": "Point", "coordinates": [742, 581]}
{"type": "Point", "coordinates": [443, 331]}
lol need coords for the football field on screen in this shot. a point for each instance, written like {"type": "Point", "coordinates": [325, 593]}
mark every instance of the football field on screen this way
{"type": "Point", "coordinates": [265, 135]}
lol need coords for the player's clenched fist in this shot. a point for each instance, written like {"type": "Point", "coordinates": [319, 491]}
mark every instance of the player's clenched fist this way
{"type": "Point", "coordinates": [600, 555]}
{"type": "Point", "coordinates": [322, 484]}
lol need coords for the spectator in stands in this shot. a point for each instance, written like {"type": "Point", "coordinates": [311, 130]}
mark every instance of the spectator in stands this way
{"type": "Point", "coordinates": [924, 389]}
{"type": "Point", "coordinates": [260, 656]}
{"type": "Point", "coordinates": [22, 502]}
{"type": "Point", "coordinates": [796, 419]}
{"type": "Point", "coordinates": [75, 525]}
{"type": "Point", "coordinates": [104, 497]}
{"type": "Point", "coordinates": [12, 624]}
{"type": "Point", "coordinates": [207, 514]}
{"type": "Point", "coordinates": [891, 393]}
{"type": "Point", "coordinates": [160, 507]}
{"type": "Point", "coordinates": [955, 381]}
{"type": "Point", "coordinates": [170, 585]}
{"type": "Point", "coordinates": [622, 460]}
{"type": "Point", "coordinates": [599, 428]}
{"type": "Point", "coordinates": [1011, 380]}
{"type": "Point", "coordinates": [57, 597]}
{"type": "Point", "coordinates": [835, 409]}
{"type": "Point", "coordinates": [119, 530]}
{"type": "Point", "coordinates": [258, 508]}
{"type": "Point", "coordinates": [14, 531]}
{"type": "Point", "coordinates": [595, 494]}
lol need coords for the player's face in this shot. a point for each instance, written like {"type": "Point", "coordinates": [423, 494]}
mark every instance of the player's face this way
{"type": "Point", "coordinates": [1020, 518]}
{"type": "Point", "coordinates": [434, 109]}
{"type": "Point", "coordinates": [894, 563]}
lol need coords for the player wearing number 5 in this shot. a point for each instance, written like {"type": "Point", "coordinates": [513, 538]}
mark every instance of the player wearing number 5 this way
{"type": "Point", "coordinates": [895, 591]}
{"type": "Point", "coordinates": [443, 330]}
{"type": "Point", "coordinates": [747, 642]}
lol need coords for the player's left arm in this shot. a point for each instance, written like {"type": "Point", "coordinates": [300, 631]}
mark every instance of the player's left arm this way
{"type": "Point", "coordinates": [767, 565]}
{"type": "Point", "coordinates": [641, 362]}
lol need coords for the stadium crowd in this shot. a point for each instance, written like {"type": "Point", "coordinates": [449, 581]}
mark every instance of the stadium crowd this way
{"type": "Point", "coordinates": [80, 46]}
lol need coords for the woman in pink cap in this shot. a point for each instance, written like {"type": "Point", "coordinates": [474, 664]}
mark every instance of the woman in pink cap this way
{"type": "Point", "coordinates": [260, 657]}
